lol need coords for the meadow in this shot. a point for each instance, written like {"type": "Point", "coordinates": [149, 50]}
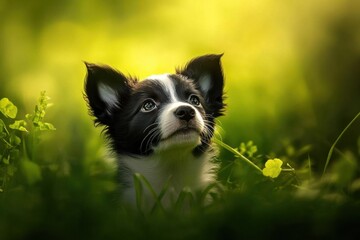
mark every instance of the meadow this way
{"type": "Point", "coordinates": [289, 141]}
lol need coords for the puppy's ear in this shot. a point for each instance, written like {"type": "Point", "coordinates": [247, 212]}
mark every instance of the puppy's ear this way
{"type": "Point", "coordinates": [106, 91]}
{"type": "Point", "coordinates": [207, 73]}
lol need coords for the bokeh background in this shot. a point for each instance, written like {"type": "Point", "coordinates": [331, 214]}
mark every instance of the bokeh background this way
{"type": "Point", "coordinates": [292, 67]}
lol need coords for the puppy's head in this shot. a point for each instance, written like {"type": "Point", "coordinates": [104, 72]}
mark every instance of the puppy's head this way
{"type": "Point", "coordinates": [161, 112]}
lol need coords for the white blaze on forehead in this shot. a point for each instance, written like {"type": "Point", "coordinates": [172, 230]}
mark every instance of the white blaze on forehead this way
{"type": "Point", "coordinates": [167, 83]}
{"type": "Point", "coordinates": [108, 95]}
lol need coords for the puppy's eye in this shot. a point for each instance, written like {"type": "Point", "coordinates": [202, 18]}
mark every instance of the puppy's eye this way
{"type": "Point", "coordinates": [194, 100]}
{"type": "Point", "coordinates": [148, 105]}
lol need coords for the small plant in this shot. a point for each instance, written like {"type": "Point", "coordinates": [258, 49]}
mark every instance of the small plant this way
{"type": "Point", "coordinates": [248, 148]}
{"type": "Point", "coordinates": [244, 173]}
{"type": "Point", "coordinates": [272, 166]}
{"type": "Point", "coordinates": [15, 135]}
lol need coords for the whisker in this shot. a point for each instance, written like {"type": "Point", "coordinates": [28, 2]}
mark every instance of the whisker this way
{"type": "Point", "coordinates": [155, 123]}
{"type": "Point", "coordinates": [151, 139]}
{"type": "Point", "coordinates": [211, 130]}
{"type": "Point", "coordinates": [148, 134]}
{"type": "Point", "coordinates": [214, 127]}
{"type": "Point", "coordinates": [147, 139]}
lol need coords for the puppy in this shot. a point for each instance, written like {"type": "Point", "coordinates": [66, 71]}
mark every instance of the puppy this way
{"type": "Point", "coordinates": [160, 127]}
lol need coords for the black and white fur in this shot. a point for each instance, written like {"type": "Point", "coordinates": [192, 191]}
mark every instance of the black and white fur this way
{"type": "Point", "coordinates": [160, 127]}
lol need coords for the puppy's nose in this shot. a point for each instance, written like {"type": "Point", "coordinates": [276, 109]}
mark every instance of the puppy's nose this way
{"type": "Point", "coordinates": [185, 113]}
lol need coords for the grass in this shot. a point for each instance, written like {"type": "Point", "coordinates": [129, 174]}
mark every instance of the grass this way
{"type": "Point", "coordinates": [336, 141]}
{"type": "Point", "coordinates": [38, 202]}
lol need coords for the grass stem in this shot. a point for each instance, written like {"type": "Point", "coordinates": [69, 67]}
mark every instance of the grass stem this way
{"type": "Point", "coordinates": [239, 155]}
{"type": "Point", "coordinates": [336, 141]}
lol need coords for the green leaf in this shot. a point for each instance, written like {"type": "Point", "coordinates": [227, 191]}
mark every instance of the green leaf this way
{"type": "Point", "coordinates": [2, 126]}
{"type": "Point", "coordinates": [3, 131]}
{"type": "Point", "coordinates": [40, 112]}
{"type": "Point", "coordinates": [138, 190]}
{"type": "Point", "coordinates": [45, 126]}
{"type": "Point", "coordinates": [237, 154]}
{"type": "Point", "coordinates": [19, 125]}
{"type": "Point", "coordinates": [183, 196]}
{"type": "Point", "coordinates": [29, 116]}
{"type": "Point", "coordinates": [249, 148]}
{"type": "Point", "coordinates": [14, 153]}
{"type": "Point", "coordinates": [343, 171]}
{"type": "Point", "coordinates": [15, 140]}
{"type": "Point", "coordinates": [31, 171]}
{"type": "Point", "coordinates": [6, 160]}
{"type": "Point", "coordinates": [11, 169]}
{"type": "Point", "coordinates": [8, 108]}
{"type": "Point", "coordinates": [272, 168]}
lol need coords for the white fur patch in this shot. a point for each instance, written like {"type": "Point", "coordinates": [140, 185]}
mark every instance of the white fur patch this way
{"type": "Point", "coordinates": [169, 123]}
{"type": "Point", "coordinates": [167, 83]}
{"type": "Point", "coordinates": [108, 95]}
{"type": "Point", "coordinates": [205, 82]}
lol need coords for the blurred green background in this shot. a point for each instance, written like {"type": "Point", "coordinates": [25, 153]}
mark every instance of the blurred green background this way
{"type": "Point", "coordinates": [292, 80]}
{"type": "Point", "coordinates": [292, 67]}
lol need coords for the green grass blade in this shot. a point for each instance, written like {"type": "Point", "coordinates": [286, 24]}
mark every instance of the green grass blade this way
{"type": "Point", "coordinates": [184, 194]}
{"type": "Point", "coordinates": [242, 157]}
{"type": "Point", "coordinates": [310, 170]}
{"type": "Point", "coordinates": [161, 195]}
{"type": "Point", "coordinates": [152, 191]}
{"type": "Point", "coordinates": [336, 141]}
{"type": "Point", "coordinates": [206, 192]}
{"type": "Point", "coordinates": [138, 190]}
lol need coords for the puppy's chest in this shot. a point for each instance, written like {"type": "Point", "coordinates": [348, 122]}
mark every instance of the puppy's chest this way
{"type": "Point", "coordinates": [174, 171]}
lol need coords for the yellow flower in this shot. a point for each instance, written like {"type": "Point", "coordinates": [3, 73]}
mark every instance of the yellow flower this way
{"type": "Point", "coordinates": [272, 168]}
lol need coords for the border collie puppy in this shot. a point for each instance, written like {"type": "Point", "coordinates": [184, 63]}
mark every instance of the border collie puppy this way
{"type": "Point", "coordinates": [160, 127]}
